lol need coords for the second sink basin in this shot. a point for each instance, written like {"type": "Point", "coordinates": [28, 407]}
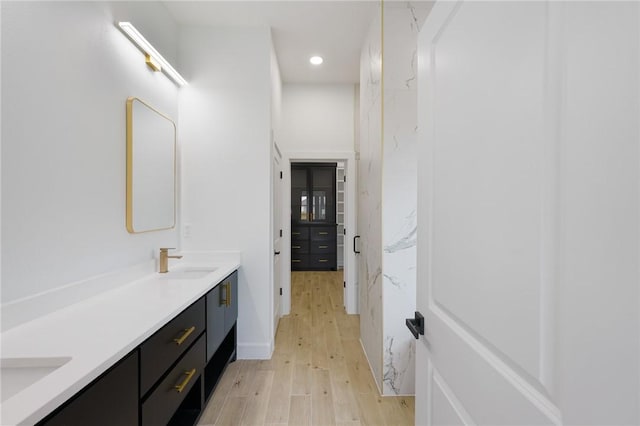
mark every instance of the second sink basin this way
{"type": "Point", "coordinates": [20, 373]}
{"type": "Point", "coordinates": [188, 273]}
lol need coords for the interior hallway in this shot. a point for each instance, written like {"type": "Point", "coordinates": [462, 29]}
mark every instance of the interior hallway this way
{"type": "Point", "coordinates": [318, 374]}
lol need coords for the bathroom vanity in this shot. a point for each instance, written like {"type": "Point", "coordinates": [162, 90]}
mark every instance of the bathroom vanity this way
{"type": "Point", "coordinates": [148, 353]}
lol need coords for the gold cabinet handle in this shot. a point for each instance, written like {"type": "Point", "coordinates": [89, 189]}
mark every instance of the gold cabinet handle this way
{"type": "Point", "coordinates": [323, 246]}
{"type": "Point", "coordinates": [187, 333]}
{"type": "Point", "coordinates": [295, 233]}
{"type": "Point", "coordinates": [223, 295]}
{"type": "Point", "coordinates": [323, 233]}
{"type": "Point", "coordinates": [229, 293]}
{"type": "Point", "coordinates": [186, 380]}
{"type": "Point", "coordinates": [295, 247]}
{"type": "Point", "coordinates": [295, 260]}
{"type": "Point", "coordinates": [323, 260]}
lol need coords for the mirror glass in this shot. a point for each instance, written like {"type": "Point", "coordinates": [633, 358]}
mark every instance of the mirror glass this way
{"type": "Point", "coordinates": [151, 168]}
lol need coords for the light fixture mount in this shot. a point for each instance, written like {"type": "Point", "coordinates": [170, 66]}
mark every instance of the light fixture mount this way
{"type": "Point", "coordinates": [153, 58]}
{"type": "Point", "coordinates": [152, 63]}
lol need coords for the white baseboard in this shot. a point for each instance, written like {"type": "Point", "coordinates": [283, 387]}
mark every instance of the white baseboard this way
{"type": "Point", "coordinates": [255, 350]}
{"type": "Point", "coordinates": [375, 379]}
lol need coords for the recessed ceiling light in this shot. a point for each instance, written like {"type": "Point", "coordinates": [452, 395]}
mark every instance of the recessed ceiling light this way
{"type": "Point", "coordinates": [316, 60]}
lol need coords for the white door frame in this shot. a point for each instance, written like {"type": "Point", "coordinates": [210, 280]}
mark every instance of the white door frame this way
{"type": "Point", "coordinates": [350, 265]}
{"type": "Point", "coordinates": [276, 305]}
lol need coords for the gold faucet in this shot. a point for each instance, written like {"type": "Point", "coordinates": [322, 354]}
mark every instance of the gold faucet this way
{"type": "Point", "coordinates": [164, 259]}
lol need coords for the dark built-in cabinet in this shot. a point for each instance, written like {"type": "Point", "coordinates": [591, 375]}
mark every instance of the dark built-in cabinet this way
{"type": "Point", "coordinates": [313, 216]}
{"type": "Point", "coordinates": [111, 400]}
{"type": "Point", "coordinates": [168, 379]}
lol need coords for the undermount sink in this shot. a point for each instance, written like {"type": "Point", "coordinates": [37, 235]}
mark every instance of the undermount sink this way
{"type": "Point", "coordinates": [19, 373]}
{"type": "Point", "coordinates": [188, 273]}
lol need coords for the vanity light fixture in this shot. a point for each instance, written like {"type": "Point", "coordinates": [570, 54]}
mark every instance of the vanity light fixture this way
{"type": "Point", "coordinates": [154, 60]}
{"type": "Point", "coordinates": [316, 60]}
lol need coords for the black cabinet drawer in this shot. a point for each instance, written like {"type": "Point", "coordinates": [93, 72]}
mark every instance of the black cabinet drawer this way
{"type": "Point", "coordinates": [299, 234]}
{"type": "Point", "coordinates": [299, 261]}
{"type": "Point", "coordinates": [110, 400]}
{"type": "Point", "coordinates": [162, 349]}
{"type": "Point", "coordinates": [322, 247]}
{"type": "Point", "coordinates": [323, 233]}
{"type": "Point", "coordinates": [165, 399]}
{"type": "Point", "coordinates": [301, 247]}
{"type": "Point", "coordinates": [322, 261]}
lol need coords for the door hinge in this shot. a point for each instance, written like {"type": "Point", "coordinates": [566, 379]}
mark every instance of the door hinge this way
{"type": "Point", "coordinates": [344, 284]}
{"type": "Point", "coordinates": [344, 231]}
{"type": "Point", "coordinates": [281, 232]}
{"type": "Point", "coordinates": [280, 291]}
{"type": "Point", "coordinates": [280, 175]}
{"type": "Point", "coordinates": [345, 178]}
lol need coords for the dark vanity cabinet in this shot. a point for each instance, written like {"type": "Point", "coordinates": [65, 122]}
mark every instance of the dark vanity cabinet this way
{"type": "Point", "coordinates": [313, 216]}
{"type": "Point", "coordinates": [111, 399]}
{"type": "Point", "coordinates": [222, 314]}
{"type": "Point", "coordinates": [168, 379]}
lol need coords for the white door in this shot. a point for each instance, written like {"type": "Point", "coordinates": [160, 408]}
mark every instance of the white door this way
{"type": "Point", "coordinates": [528, 259]}
{"type": "Point", "coordinates": [277, 236]}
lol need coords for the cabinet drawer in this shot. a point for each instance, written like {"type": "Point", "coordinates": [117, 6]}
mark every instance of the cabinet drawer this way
{"type": "Point", "coordinates": [299, 234]}
{"type": "Point", "coordinates": [301, 247]}
{"type": "Point", "coordinates": [299, 261]}
{"type": "Point", "coordinates": [322, 247]}
{"type": "Point", "coordinates": [322, 261]}
{"type": "Point", "coordinates": [165, 399]}
{"type": "Point", "coordinates": [111, 400]}
{"type": "Point", "coordinates": [322, 233]}
{"type": "Point", "coordinates": [161, 350]}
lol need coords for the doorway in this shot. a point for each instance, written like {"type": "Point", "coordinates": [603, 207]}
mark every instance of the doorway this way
{"type": "Point", "coordinates": [313, 217]}
{"type": "Point", "coordinates": [346, 213]}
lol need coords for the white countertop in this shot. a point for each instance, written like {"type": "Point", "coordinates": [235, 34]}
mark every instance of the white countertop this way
{"type": "Point", "coordinates": [96, 333]}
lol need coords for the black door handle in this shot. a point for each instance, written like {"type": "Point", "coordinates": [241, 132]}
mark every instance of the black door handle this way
{"type": "Point", "coordinates": [416, 325]}
{"type": "Point", "coordinates": [276, 253]}
{"type": "Point", "coordinates": [354, 244]}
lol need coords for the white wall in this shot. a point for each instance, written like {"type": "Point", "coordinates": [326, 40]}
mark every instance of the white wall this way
{"type": "Point", "coordinates": [318, 124]}
{"type": "Point", "coordinates": [225, 115]}
{"type": "Point", "coordinates": [318, 117]}
{"type": "Point", "coordinates": [66, 74]}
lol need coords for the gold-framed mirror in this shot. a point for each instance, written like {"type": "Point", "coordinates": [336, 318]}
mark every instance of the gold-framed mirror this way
{"type": "Point", "coordinates": [151, 168]}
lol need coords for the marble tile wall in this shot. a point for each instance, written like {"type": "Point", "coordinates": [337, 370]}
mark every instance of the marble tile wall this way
{"type": "Point", "coordinates": [370, 199]}
{"type": "Point", "coordinates": [401, 26]}
{"type": "Point", "coordinates": [388, 185]}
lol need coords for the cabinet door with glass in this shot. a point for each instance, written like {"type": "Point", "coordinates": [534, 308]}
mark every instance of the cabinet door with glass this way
{"type": "Point", "coordinates": [313, 193]}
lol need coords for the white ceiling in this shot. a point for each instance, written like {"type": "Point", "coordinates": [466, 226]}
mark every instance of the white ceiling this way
{"type": "Point", "coordinates": [335, 30]}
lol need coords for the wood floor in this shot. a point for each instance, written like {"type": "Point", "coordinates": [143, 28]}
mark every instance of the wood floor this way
{"type": "Point", "coordinates": [318, 374]}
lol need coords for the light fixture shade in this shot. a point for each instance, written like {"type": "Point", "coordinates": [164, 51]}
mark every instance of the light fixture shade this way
{"type": "Point", "coordinates": [316, 60]}
{"type": "Point", "coordinates": [152, 57]}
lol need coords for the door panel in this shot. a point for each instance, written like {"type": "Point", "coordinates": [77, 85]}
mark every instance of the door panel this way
{"type": "Point", "coordinates": [491, 223]}
{"type": "Point", "coordinates": [480, 380]}
{"type": "Point", "coordinates": [447, 409]}
{"type": "Point", "coordinates": [528, 173]}
{"type": "Point", "coordinates": [277, 238]}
